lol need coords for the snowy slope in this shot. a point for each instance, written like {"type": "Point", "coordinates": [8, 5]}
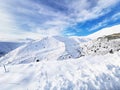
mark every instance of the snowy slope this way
{"type": "Point", "coordinates": [57, 48]}
{"type": "Point", "coordinates": [44, 49]}
{"type": "Point", "coordinates": [106, 31]}
{"type": "Point", "coordinates": [55, 63]}
{"type": "Point", "coordinates": [72, 47]}
{"type": "Point", "coordinates": [101, 46]}
{"type": "Point", "coordinates": [6, 47]}
{"type": "Point", "coordinates": [87, 73]}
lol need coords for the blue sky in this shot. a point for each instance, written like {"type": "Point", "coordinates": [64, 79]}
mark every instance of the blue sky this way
{"type": "Point", "coordinates": [36, 18]}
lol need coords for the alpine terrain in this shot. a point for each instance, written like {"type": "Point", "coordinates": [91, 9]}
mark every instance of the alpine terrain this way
{"type": "Point", "coordinates": [63, 63]}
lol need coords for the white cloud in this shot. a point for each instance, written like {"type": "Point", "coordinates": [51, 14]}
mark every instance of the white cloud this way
{"type": "Point", "coordinates": [99, 25]}
{"type": "Point", "coordinates": [84, 10]}
{"type": "Point", "coordinates": [43, 19]}
{"type": "Point", "coordinates": [16, 37]}
{"type": "Point", "coordinates": [9, 30]}
{"type": "Point", "coordinates": [105, 22]}
{"type": "Point", "coordinates": [116, 16]}
{"type": "Point", "coordinates": [7, 25]}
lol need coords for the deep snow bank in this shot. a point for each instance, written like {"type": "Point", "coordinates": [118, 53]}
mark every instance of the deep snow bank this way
{"type": "Point", "coordinates": [86, 73]}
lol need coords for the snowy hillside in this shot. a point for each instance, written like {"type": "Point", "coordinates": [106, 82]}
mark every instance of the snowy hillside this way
{"type": "Point", "coordinates": [63, 63]}
{"type": "Point", "coordinates": [87, 73]}
{"type": "Point", "coordinates": [102, 45]}
{"type": "Point", "coordinates": [6, 47]}
{"type": "Point", "coordinates": [30, 52]}
{"type": "Point", "coordinates": [106, 31]}
{"type": "Point", "coordinates": [57, 48]}
{"type": "Point", "coordinates": [62, 48]}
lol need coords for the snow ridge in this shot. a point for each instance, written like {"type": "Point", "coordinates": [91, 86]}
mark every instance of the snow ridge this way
{"type": "Point", "coordinates": [104, 32]}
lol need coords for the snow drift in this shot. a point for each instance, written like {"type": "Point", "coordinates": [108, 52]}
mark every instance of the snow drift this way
{"type": "Point", "coordinates": [87, 73]}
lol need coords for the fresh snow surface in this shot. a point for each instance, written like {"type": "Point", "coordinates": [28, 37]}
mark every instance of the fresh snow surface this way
{"type": "Point", "coordinates": [86, 73]}
{"type": "Point", "coordinates": [105, 31]}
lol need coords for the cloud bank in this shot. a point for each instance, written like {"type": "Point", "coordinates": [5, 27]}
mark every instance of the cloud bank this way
{"type": "Point", "coordinates": [36, 18]}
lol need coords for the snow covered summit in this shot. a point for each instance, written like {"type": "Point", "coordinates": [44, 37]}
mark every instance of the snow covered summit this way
{"type": "Point", "coordinates": [57, 48]}
{"type": "Point", "coordinates": [104, 32]}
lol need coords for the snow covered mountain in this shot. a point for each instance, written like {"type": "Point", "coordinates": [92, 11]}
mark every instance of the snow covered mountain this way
{"type": "Point", "coordinates": [102, 45]}
{"type": "Point", "coordinates": [62, 48]}
{"type": "Point", "coordinates": [104, 32]}
{"type": "Point", "coordinates": [57, 48]}
{"type": "Point", "coordinates": [6, 47]}
{"type": "Point", "coordinates": [63, 63]}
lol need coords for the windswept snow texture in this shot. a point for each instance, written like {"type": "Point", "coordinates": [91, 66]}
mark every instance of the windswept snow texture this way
{"type": "Point", "coordinates": [86, 73]}
{"type": "Point", "coordinates": [6, 47]}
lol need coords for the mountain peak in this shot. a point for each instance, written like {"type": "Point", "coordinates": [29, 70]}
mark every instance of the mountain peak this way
{"type": "Point", "coordinates": [105, 31]}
